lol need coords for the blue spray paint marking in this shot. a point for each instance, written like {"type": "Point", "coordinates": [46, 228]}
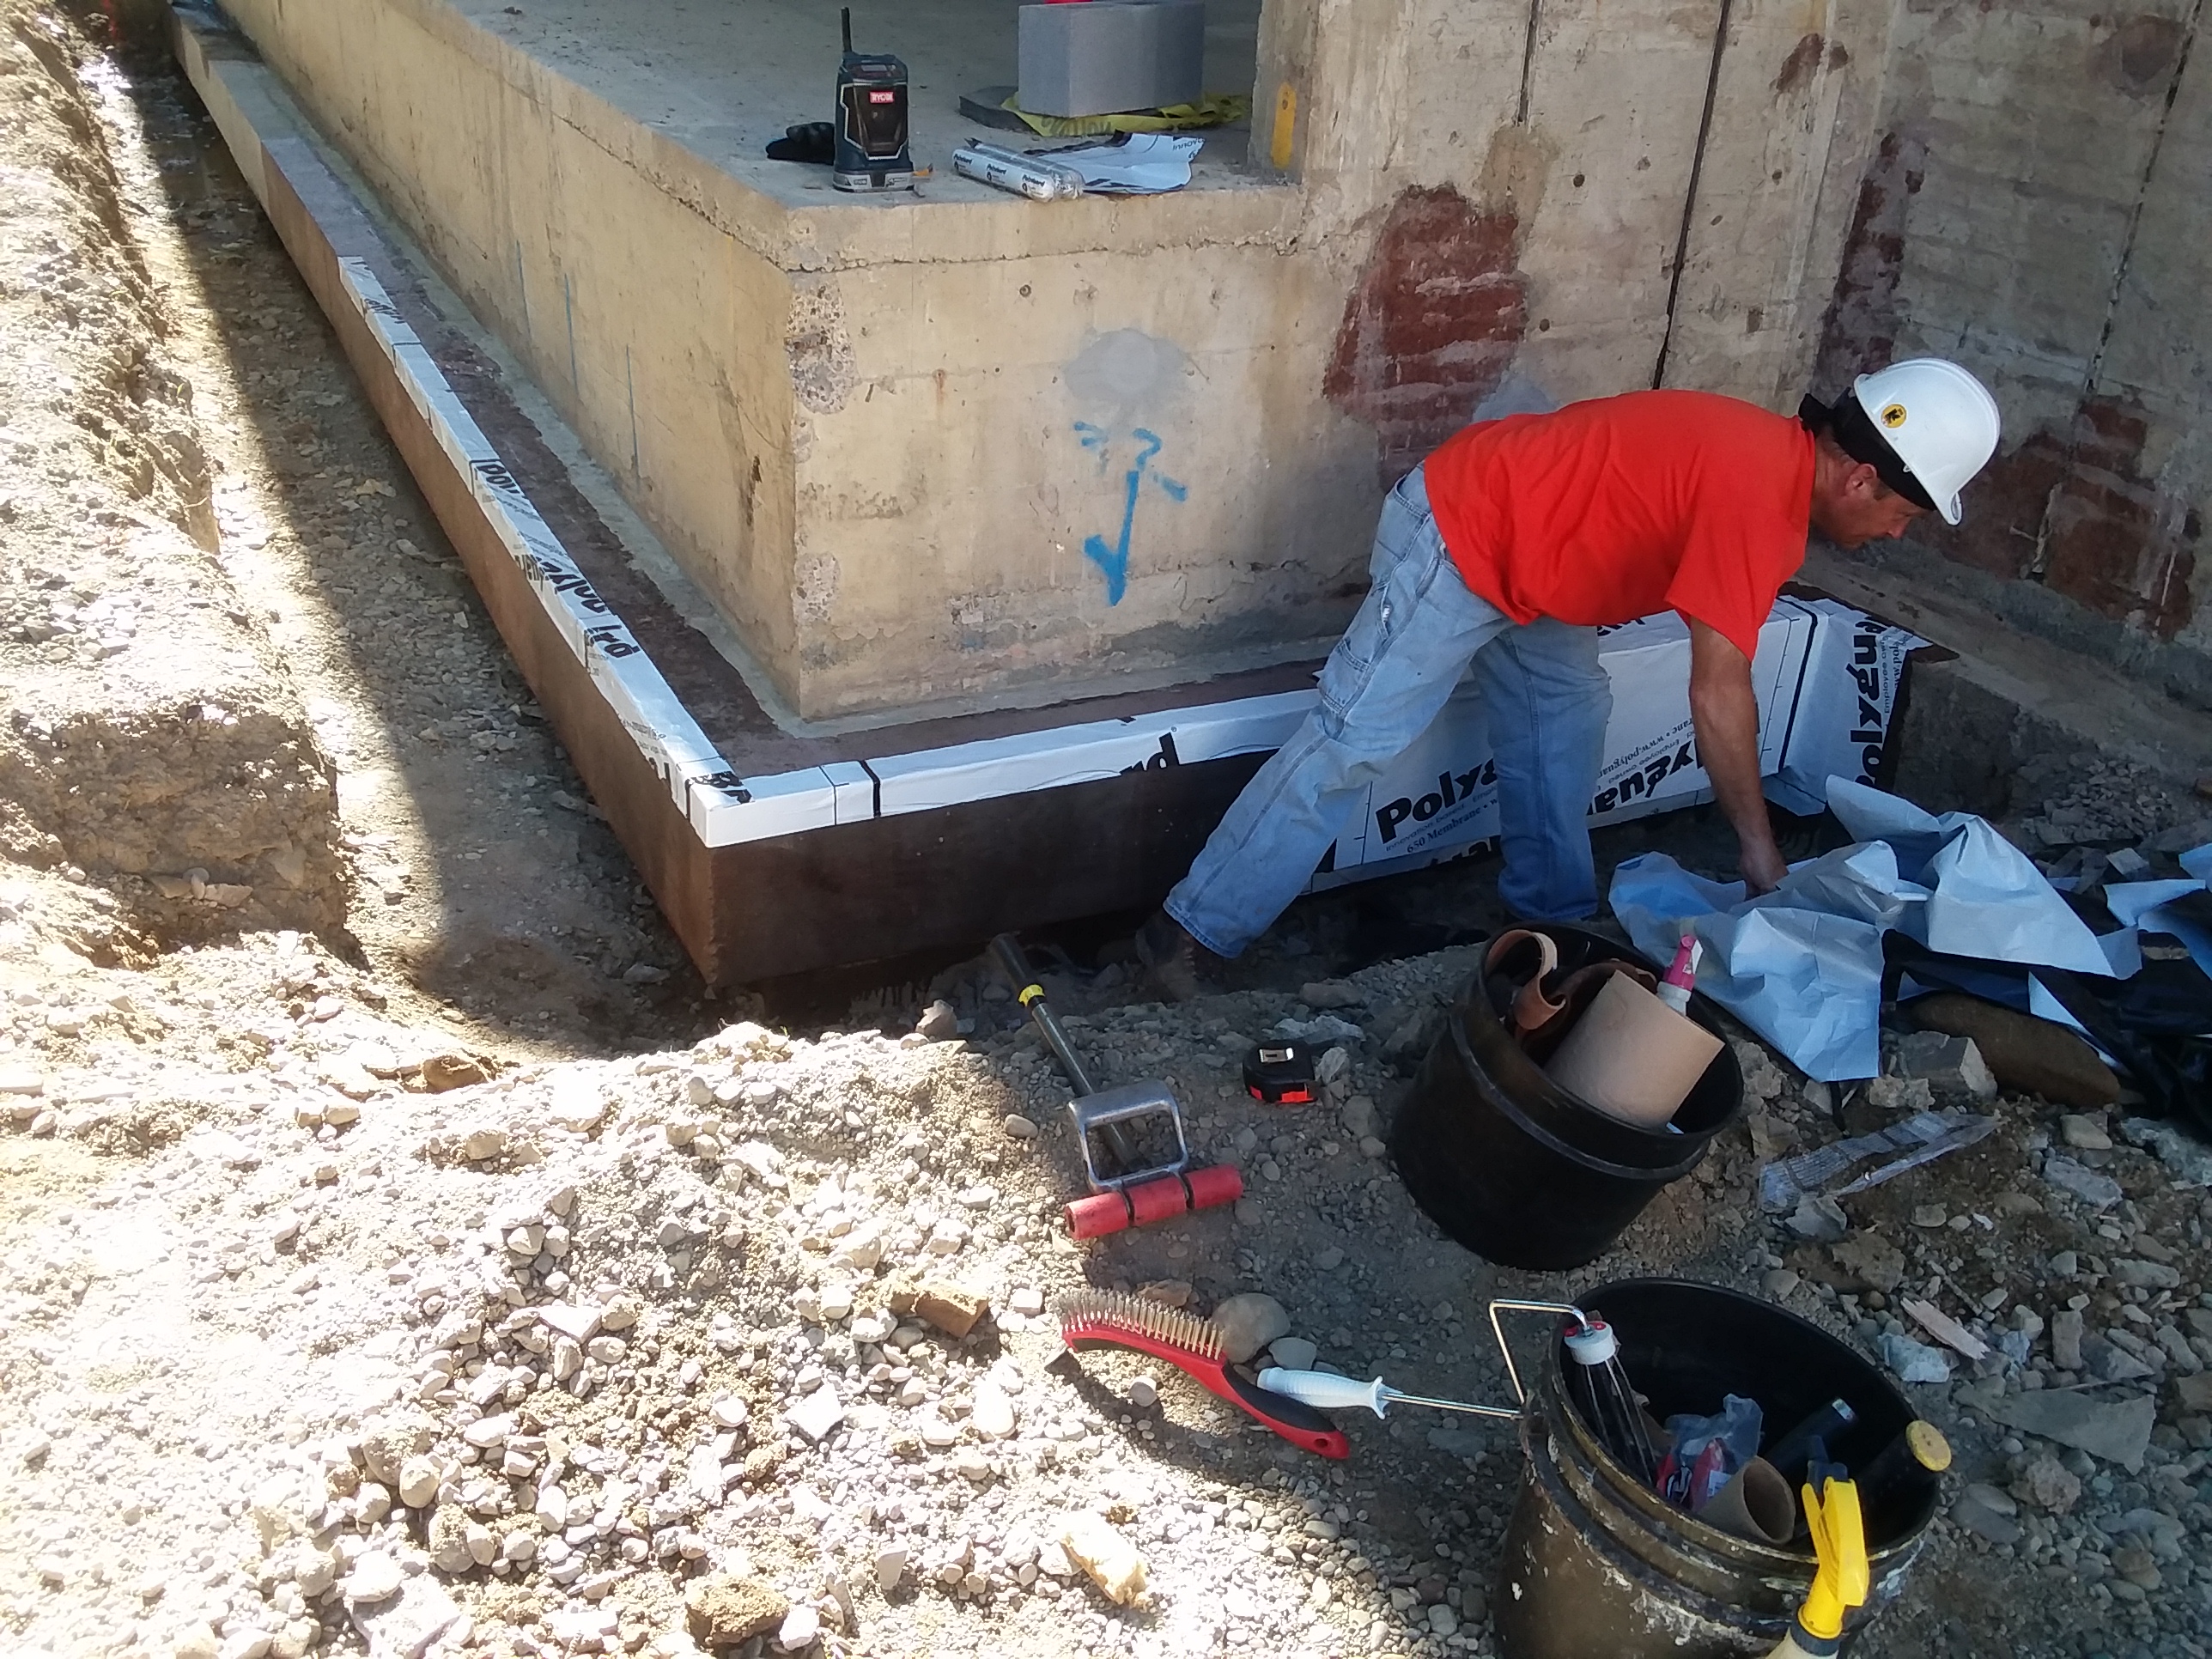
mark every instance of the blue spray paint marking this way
{"type": "Point", "coordinates": [1114, 561]}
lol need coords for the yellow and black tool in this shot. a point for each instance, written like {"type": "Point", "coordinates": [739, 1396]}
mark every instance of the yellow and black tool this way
{"type": "Point", "coordinates": [1843, 1579]}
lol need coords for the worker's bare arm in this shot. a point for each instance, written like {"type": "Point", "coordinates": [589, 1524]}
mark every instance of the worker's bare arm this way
{"type": "Point", "coordinates": [1726, 716]}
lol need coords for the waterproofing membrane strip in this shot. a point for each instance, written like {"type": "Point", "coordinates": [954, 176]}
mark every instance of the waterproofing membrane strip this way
{"type": "Point", "coordinates": [721, 807]}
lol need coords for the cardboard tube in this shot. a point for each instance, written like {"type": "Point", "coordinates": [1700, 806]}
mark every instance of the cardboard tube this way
{"type": "Point", "coordinates": [1756, 1504]}
{"type": "Point", "coordinates": [1631, 1056]}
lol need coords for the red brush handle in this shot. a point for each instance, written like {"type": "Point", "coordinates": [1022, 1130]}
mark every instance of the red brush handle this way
{"type": "Point", "coordinates": [1296, 1421]}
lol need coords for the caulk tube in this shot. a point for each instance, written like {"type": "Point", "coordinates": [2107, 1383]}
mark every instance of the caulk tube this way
{"type": "Point", "coordinates": [1010, 170]}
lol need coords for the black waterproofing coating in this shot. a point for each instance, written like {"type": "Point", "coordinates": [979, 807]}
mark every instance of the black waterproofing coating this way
{"type": "Point", "coordinates": [2154, 1024]}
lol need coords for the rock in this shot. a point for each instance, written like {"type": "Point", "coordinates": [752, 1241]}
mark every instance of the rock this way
{"type": "Point", "coordinates": [991, 1413]}
{"type": "Point", "coordinates": [1249, 1323]}
{"type": "Point", "coordinates": [2188, 1161]}
{"type": "Point", "coordinates": [2145, 1275]}
{"type": "Point", "coordinates": [818, 1415]}
{"type": "Point", "coordinates": [1168, 1293]}
{"type": "Point", "coordinates": [374, 1576]}
{"type": "Point", "coordinates": [1293, 1353]}
{"type": "Point", "coordinates": [723, 1609]}
{"type": "Point", "coordinates": [1142, 1393]}
{"type": "Point", "coordinates": [1820, 1220]}
{"type": "Point", "coordinates": [1017, 1127]}
{"type": "Point", "coordinates": [802, 1626]}
{"type": "Point", "coordinates": [1886, 1096]}
{"type": "Point", "coordinates": [2110, 1362]}
{"type": "Point", "coordinates": [1990, 1498]}
{"type": "Point", "coordinates": [729, 1412]}
{"type": "Point", "coordinates": [1914, 1361]}
{"type": "Point", "coordinates": [2133, 1563]}
{"type": "Point", "coordinates": [1976, 1517]}
{"type": "Point", "coordinates": [1872, 1262]}
{"type": "Point", "coordinates": [578, 1103]}
{"type": "Point", "coordinates": [479, 1144]}
{"type": "Point", "coordinates": [1950, 1066]}
{"type": "Point", "coordinates": [1359, 1117]}
{"type": "Point", "coordinates": [1328, 1259]}
{"type": "Point", "coordinates": [579, 1322]}
{"type": "Point", "coordinates": [1325, 994]}
{"type": "Point", "coordinates": [2026, 1055]}
{"type": "Point", "coordinates": [971, 1465]}
{"type": "Point", "coordinates": [890, 1567]}
{"type": "Point", "coordinates": [2098, 1191]}
{"type": "Point", "coordinates": [443, 1071]}
{"type": "Point", "coordinates": [1026, 1301]}
{"type": "Point", "coordinates": [939, 1022]}
{"type": "Point", "coordinates": [406, 1625]}
{"type": "Point", "coordinates": [2117, 1431]}
{"type": "Point", "coordinates": [419, 1479]}
{"type": "Point", "coordinates": [1107, 1557]}
{"type": "Point", "coordinates": [953, 1308]}
{"type": "Point", "coordinates": [17, 1079]}
{"type": "Point", "coordinates": [2084, 1133]}
{"type": "Point", "coordinates": [2048, 1484]}
{"type": "Point", "coordinates": [2195, 1392]}
{"type": "Point", "coordinates": [1779, 1282]}
{"type": "Point", "coordinates": [2066, 1330]}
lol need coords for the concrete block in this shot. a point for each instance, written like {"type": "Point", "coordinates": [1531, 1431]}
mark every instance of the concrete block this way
{"type": "Point", "coordinates": [1107, 56]}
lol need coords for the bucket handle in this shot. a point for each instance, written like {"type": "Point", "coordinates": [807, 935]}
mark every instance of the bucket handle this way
{"type": "Point", "coordinates": [1505, 1305]}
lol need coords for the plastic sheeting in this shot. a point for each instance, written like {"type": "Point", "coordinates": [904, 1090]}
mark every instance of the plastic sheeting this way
{"type": "Point", "coordinates": [1803, 965]}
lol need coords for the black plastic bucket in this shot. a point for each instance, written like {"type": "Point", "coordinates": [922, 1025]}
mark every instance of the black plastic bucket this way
{"type": "Point", "coordinates": [1594, 1562]}
{"type": "Point", "coordinates": [1523, 1172]}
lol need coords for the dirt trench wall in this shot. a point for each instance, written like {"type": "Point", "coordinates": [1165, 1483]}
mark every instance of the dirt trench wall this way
{"type": "Point", "coordinates": [2038, 207]}
{"type": "Point", "coordinates": [149, 740]}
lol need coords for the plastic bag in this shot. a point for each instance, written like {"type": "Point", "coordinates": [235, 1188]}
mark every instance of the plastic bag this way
{"type": "Point", "coordinates": [1704, 1453]}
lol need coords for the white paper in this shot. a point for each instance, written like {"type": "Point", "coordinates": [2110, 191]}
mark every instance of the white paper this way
{"type": "Point", "coordinates": [1144, 164]}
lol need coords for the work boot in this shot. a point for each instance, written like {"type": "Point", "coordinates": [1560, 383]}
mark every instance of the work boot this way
{"type": "Point", "coordinates": [1174, 962]}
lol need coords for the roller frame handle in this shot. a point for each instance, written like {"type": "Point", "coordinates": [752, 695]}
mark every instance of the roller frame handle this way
{"type": "Point", "coordinates": [1333, 1392]}
{"type": "Point", "coordinates": [1325, 1390]}
{"type": "Point", "coordinates": [1007, 951]}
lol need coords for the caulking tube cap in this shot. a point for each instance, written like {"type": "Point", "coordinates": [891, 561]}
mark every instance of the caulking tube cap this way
{"type": "Point", "coordinates": [1592, 1344]}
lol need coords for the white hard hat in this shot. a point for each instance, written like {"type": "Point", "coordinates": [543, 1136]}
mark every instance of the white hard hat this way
{"type": "Point", "coordinates": [1938, 421]}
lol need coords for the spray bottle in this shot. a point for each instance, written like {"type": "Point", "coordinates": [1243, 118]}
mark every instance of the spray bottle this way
{"type": "Point", "coordinates": [1681, 979]}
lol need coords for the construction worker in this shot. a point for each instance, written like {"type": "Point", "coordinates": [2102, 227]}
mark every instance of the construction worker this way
{"type": "Point", "coordinates": [1509, 547]}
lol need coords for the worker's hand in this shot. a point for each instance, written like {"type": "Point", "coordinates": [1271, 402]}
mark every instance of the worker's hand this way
{"type": "Point", "coordinates": [1763, 866]}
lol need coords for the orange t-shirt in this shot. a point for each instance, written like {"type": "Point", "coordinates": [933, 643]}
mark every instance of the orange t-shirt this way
{"type": "Point", "coordinates": [1613, 509]}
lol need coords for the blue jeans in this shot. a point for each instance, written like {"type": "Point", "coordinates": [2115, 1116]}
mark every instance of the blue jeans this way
{"type": "Point", "coordinates": [1543, 691]}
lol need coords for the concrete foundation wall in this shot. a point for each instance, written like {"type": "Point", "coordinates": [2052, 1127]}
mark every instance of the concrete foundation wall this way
{"type": "Point", "coordinates": [2040, 207]}
{"type": "Point", "coordinates": [966, 447]}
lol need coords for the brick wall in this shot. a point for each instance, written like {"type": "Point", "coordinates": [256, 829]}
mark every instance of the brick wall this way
{"type": "Point", "coordinates": [2040, 207]}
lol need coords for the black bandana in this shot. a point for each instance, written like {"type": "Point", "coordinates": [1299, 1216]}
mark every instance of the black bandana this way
{"type": "Point", "coordinates": [1858, 437]}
